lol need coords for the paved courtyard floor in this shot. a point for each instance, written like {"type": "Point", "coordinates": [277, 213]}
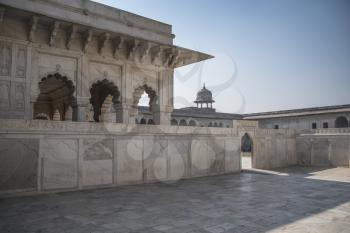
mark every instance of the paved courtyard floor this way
{"type": "Point", "coordinates": [286, 200]}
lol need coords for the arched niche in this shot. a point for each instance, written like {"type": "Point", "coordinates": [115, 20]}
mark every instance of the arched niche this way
{"type": "Point", "coordinates": [174, 122]}
{"type": "Point", "coordinates": [56, 98]}
{"type": "Point", "coordinates": [150, 122]}
{"type": "Point", "coordinates": [143, 121]}
{"type": "Point", "coordinates": [341, 122]}
{"type": "Point", "coordinates": [183, 122]}
{"type": "Point", "coordinates": [192, 123]}
{"type": "Point", "coordinates": [99, 92]}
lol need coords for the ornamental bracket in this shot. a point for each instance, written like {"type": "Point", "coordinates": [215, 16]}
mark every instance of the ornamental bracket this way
{"type": "Point", "coordinates": [33, 24]}
{"type": "Point", "coordinates": [54, 30]}
{"type": "Point", "coordinates": [72, 33]}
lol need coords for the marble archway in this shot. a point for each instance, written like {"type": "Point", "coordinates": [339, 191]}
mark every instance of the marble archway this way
{"type": "Point", "coordinates": [101, 92]}
{"type": "Point", "coordinates": [56, 99]}
{"type": "Point", "coordinates": [152, 95]}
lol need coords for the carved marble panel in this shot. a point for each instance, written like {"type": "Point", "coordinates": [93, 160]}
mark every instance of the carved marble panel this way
{"type": "Point", "coordinates": [319, 156]}
{"type": "Point", "coordinates": [155, 160]}
{"type": "Point", "coordinates": [100, 71]}
{"type": "Point", "coordinates": [49, 64]}
{"type": "Point", "coordinates": [259, 153]}
{"type": "Point", "coordinates": [60, 158]}
{"type": "Point", "coordinates": [232, 155]}
{"type": "Point", "coordinates": [21, 63]}
{"type": "Point", "coordinates": [97, 172]}
{"type": "Point", "coordinates": [216, 155]}
{"type": "Point", "coordinates": [199, 157]}
{"type": "Point", "coordinates": [19, 161]}
{"type": "Point", "coordinates": [303, 151]}
{"type": "Point", "coordinates": [5, 58]}
{"type": "Point", "coordinates": [141, 77]}
{"type": "Point", "coordinates": [18, 103]}
{"type": "Point", "coordinates": [98, 149]}
{"type": "Point", "coordinates": [340, 151]}
{"type": "Point", "coordinates": [5, 95]}
{"type": "Point", "coordinates": [291, 152]}
{"type": "Point", "coordinates": [129, 160]}
{"type": "Point", "coordinates": [178, 155]}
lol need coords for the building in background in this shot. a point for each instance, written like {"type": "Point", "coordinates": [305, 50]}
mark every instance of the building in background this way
{"type": "Point", "coordinates": [204, 115]}
{"type": "Point", "coordinates": [307, 118]}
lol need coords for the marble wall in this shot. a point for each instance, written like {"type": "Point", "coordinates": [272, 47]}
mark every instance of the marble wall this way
{"type": "Point", "coordinates": [53, 157]}
{"type": "Point", "coordinates": [274, 148]}
{"type": "Point", "coordinates": [324, 147]}
{"type": "Point", "coordinates": [19, 164]}
{"type": "Point", "coordinates": [47, 156]}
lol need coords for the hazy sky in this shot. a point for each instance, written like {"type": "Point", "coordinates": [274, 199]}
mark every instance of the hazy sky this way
{"type": "Point", "coordinates": [269, 54]}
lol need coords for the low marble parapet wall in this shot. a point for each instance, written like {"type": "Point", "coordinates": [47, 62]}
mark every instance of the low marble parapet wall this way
{"type": "Point", "coordinates": [47, 156]}
{"type": "Point", "coordinates": [274, 148]}
{"type": "Point", "coordinates": [324, 147]}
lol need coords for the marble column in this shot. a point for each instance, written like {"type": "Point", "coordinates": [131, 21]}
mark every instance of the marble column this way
{"type": "Point", "coordinates": [162, 114]}
{"type": "Point", "coordinates": [82, 109]}
{"type": "Point", "coordinates": [123, 114]}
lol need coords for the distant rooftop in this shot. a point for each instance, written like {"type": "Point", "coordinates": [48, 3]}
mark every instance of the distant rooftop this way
{"type": "Point", "coordinates": [298, 112]}
{"type": "Point", "coordinates": [196, 112]}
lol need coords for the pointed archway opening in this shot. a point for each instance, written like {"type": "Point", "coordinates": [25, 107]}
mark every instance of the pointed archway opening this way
{"type": "Point", "coordinates": [144, 102]}
{"type": "Point", "coordinates": [174, 122]}
{"type": "Point", "coordinates": [56, 100]}
{"type": "Point", "coordinates": [104, 95]}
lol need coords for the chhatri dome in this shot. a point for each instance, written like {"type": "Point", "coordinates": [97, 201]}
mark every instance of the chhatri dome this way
{"type": "Point", "coordinates": [204, 96]}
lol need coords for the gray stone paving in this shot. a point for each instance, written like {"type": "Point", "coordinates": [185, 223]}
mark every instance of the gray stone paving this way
{"type": "Point", "coordinates": [290, 200]}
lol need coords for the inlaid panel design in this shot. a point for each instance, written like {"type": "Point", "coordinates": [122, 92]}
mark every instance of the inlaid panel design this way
{"type": "Point", "coordinates": [4, 95]}
{"type": "Point", "coordinates": [19, 96]}
{"type": "Point", "coordinates": [5, 58]}
{"type": "Point", "coordinates": [21, 62]}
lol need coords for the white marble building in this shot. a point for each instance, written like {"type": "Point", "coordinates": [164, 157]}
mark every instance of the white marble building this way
{"type": "Point", "coordinates": [60, 60]}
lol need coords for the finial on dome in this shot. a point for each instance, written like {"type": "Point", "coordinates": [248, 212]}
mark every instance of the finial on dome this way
{"type": "Point", "coordinates": [204, 86]}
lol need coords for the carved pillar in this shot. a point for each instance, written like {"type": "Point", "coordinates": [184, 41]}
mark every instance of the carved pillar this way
{"type": "Point", "coordinates": [82, 109]}
{"type": "Point", "coordinates": [69, 114]}
{"type": "Point", "coordinates": [161, 115]}
{"type": "Point", "coordinates": [162, 112]}
{"type": "Point", "coordinates": [123, 113]}
{"type": "Point", "coordinates": [123, 109]}
{"type": "Point", "coordinates": [108, 113]}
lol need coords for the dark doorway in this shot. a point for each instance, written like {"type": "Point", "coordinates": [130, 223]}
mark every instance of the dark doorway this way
{"type": "Point", "coordinates": [246, 151]}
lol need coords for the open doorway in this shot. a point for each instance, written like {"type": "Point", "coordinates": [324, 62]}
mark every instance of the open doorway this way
{"type": "Point", "coordinates": [246, 152]}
